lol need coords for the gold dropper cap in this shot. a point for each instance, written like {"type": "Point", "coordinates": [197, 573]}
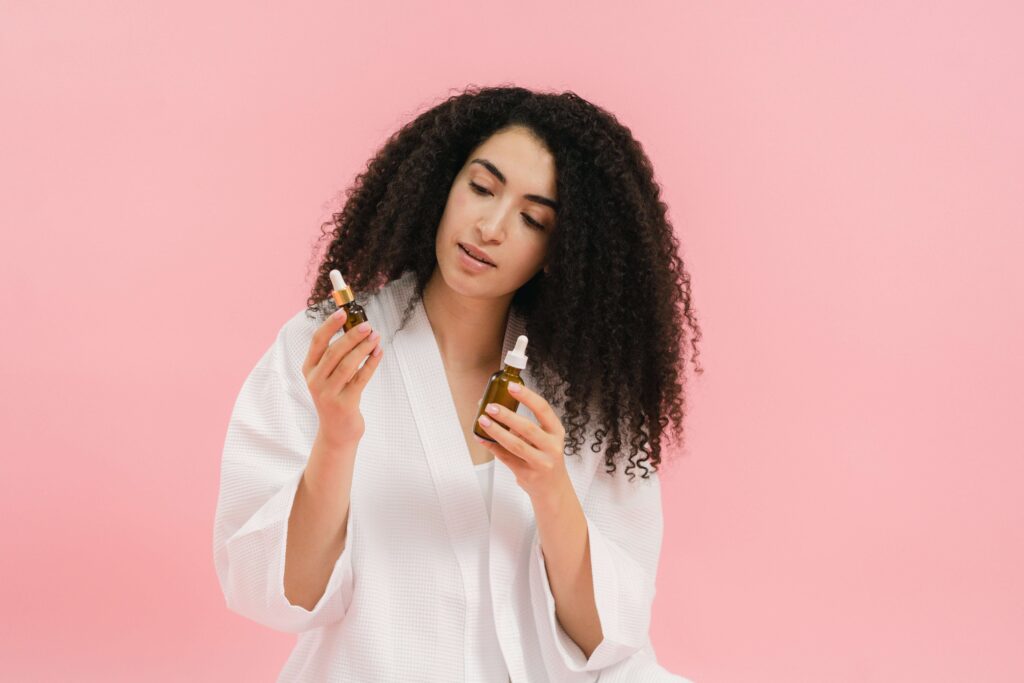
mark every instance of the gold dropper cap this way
{"type": "Point", "coordinates": [342, 293]}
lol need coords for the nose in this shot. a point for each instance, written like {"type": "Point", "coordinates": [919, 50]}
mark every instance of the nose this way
{"type": "Point", "coordinates": [492, 227]}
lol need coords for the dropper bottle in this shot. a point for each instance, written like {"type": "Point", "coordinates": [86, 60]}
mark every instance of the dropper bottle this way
{"type": "Point", "coordinates": [345, 298]}
{"type": "Point", "coordinates": [497, 385]}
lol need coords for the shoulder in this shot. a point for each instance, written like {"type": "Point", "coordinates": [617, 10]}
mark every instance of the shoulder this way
{"type": "Point", "coordinates": [293, 338]}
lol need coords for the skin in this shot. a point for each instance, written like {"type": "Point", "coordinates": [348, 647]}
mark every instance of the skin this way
{"type": "Point", "coordinates": [468, 313]}
{"type": "Point", "coordinates": [534, 455]}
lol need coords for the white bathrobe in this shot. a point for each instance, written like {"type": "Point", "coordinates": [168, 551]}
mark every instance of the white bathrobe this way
{"type": "Point", "coordinates": [429, 586]}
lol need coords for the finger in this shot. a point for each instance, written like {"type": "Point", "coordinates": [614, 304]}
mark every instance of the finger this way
{"type": "Point", "coordinates": [546, 416]}
{"type": "Point", "coordinates": [322, 338]}
{"type": "Point", "coordinates": [507, 440]}
{"type": "Point", "coordinates": [364, 373]}
{"type": "Point", "coordinates": [344, 371]}
{"type": "Point", "coordinates": [525, 428]}
{"type": "Point", "coordinates": [337, 350]}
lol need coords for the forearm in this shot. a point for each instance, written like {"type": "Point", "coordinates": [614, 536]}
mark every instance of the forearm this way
{"type": "Point", "coordinates": [317, 524]}
{"type": "Point", "coordinates": [565, 543]}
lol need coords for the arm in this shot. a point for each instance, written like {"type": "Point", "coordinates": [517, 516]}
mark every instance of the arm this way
{"type": "Point", "coordinates": [623, 543]}
{"type": "Point", "coordinates": [317, 526]}
{"type": "Point", "coordinates": [565, 544]}
{"type": "Point", "coordinates": [269, 449]}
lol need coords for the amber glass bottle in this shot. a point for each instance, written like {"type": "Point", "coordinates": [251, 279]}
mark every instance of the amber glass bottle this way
{"type": "Point", "coordinates": [346, 298]}
{"type": "Point", "coordinates": [497, 385]}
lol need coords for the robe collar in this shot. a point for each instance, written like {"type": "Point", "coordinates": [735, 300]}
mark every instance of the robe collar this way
{"type": "Point", "coordinates": [506, 536]}
{"type": "Point", "coordinates": [437, 421]}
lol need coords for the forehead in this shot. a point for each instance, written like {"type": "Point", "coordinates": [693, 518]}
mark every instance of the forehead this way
{"type": "Point", "coordinates": [520, 157]}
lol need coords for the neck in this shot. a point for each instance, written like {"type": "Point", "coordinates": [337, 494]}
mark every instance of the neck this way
{"type": "Point", "coordinates": [469, 331]}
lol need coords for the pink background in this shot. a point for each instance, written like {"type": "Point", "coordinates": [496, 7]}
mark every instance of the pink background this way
{"type": "Point", "coordinates": [847, 185]}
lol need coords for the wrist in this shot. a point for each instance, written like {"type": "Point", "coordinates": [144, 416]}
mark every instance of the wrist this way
{"type": "Point", "coordinates": [335, 445]}
{"type": "Point", "coordinates": [330, 465]}
{"type": "Point", "coordinates": [553, 501]}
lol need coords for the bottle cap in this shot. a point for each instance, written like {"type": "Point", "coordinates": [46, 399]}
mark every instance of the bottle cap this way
{"type": "Point", "coordinates": [342, 293]}
{"type": "Point", "coordinates": [517, 357]}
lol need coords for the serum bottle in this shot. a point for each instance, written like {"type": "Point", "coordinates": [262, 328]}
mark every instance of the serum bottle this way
{"type": "Point", "coordinates": [346, 298]}
{"type": "Point", "coordinates": [497, 385]}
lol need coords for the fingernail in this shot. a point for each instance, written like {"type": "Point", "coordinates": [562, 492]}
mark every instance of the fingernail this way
{"type": "Point", "coordinates": [514, 388]}
{"type": "Point", "coordinates": [492, 409]}
{"type": "Point", "coordinates": [363, 327]}
{"type": "Point", "coordinates": [485, 421]}
{"type": "Point", "coordinates": [340, 313]}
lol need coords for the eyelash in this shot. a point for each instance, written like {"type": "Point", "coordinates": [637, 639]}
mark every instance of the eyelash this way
{"type": "Point", "coordinates": [529, 221]}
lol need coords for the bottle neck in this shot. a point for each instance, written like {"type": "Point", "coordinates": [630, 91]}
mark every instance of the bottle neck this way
{"type": "Point", "coordinates": [343, 296]}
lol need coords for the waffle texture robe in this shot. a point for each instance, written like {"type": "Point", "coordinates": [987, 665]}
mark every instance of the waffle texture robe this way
{"type": "Point", "coordinates": [429, 586]}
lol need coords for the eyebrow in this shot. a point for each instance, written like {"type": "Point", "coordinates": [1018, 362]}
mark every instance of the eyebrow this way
{"type": "Point", "coordinates": [501, 176]}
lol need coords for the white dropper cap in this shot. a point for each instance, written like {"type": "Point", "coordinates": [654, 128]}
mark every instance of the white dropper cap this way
{"type": "Point", "coordinates": [342, 293]}
{"type": "Point", "coordinates": [517, 356]}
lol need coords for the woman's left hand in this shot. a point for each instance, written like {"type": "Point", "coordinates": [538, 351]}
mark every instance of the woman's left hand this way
{"type": "Point", "coordinates": [533, 452]}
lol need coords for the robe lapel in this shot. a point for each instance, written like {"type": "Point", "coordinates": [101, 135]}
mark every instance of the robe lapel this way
{"type": "Point", "coordinates": [448, 458]}
{"type": "Point", "coordinates": [437, 422]}
{"type": "Point", "coordinates": [505, 538]}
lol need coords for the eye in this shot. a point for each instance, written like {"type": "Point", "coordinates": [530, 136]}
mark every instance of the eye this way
{"type": "Point", "coordinates": [530, 221]}
{"type": "Point", "coordinates": [478, 189]}
{"type": "Point", "coordinates": [526, 218]}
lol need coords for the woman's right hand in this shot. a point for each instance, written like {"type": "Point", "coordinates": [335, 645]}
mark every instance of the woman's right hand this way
{"type": "Point", "coordinates": [335, 380]}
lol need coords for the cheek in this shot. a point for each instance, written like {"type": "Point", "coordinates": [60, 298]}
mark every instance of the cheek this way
{"type": "Point", "coordinates": [453, 215]}
{"type": "Point", "coordinates": [531, 252]}
{"type": "Point", "coordinates": [457, 201]}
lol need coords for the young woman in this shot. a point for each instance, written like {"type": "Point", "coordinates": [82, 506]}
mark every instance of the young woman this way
{"type": "Point", "coordinates": [357, 507]}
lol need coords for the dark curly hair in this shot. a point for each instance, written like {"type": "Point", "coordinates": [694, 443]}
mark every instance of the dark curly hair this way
{"type": "Point", "coordinates": [606, 323]}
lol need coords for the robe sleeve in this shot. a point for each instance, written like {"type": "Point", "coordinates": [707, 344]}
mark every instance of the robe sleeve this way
{"type": "Point", "coordinates": [624, 520]}
{"type": "Point", "coordinates": [641, 667]}
{"type": "Point", "coordinates": [269, 438]}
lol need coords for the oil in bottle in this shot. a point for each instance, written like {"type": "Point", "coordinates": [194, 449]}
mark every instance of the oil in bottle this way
{"type": "Point", "coordinates": [345, 298]}
{"type": "Point", "coordinates": [497, 385]}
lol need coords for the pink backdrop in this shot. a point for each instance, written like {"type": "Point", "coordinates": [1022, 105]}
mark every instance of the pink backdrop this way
{"type": "Point", "coordinates": [847, 185]}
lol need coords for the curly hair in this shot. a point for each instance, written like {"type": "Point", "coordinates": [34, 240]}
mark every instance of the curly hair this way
{"type": "Point", "coordinates": [607, 322]}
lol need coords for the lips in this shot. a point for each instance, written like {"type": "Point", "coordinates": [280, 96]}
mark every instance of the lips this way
{"type": "Point", "coordinates": [476, 253]}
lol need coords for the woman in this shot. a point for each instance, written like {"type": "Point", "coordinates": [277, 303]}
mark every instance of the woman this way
{"type": "Point", "coordinates": [357, 507]}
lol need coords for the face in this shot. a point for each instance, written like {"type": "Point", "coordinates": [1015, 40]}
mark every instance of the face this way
{"type": "Point", "coordinates": [500, 205]}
